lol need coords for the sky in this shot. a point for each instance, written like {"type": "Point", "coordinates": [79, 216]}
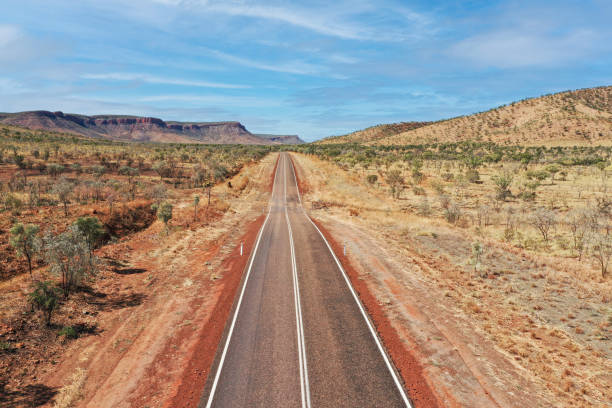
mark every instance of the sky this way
{"type": "Point", "coordinates": [315, 68]}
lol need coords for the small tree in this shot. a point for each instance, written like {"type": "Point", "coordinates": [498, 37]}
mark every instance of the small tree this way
{"type": "Point", "coordinates": [162, 169]}
{"type": "Point", "coordinates": [208, 185]}
{"type": "Point", "coordinates": [54, 169]}
{"type": "Point", "coordinates": [543, 220]}
{"type": "Point", "coordinates": [220, 172]}
{"type": "Point", "coordinates": [111, 196]}
{"type": "Point", "coordinates": [92, 230]}
{"type": "Point", "coordinates": [372, 179]}
{"type": "Point", "coordinates": [164, 213]}
{"type": "Point", "coordinates": [45, 297]}
{"type": "Point", "coordinates": [63, 190]}
{"type": "Point", "coordinates": [577, 222]}
{"type": "Point", "coordinates": [396, 182]}
{"type": "Point", "coordinates": [157, 193]}
{"type": "Point", "coordinates": [417, 174]}
{"type": "Point", "coordinates": [601, 249]}
{"type": "Point", "coordinates": [196, 201]}
{"type": "Point", "coordinates": [198, 176]}
{"type": "Point", "coordinates": [452, 212]}
{"type": "Point", "coordinates": [502, 184]}
{"type": "Point", "coordinates": [131, 173]}
{"type": "Point", "coordinates": [69, 257]}
{"type": "Point", "coordinates": [552, 169]}
{"type": "Point", "coordinates": [476, 255]}
{"type": "Point", "coordinates": [26, 243]}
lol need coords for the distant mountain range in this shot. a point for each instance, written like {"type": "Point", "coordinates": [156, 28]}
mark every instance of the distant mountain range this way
{"type": "Point", "coordinates": [282, 139]}
{"type": "Point", "coordinates": [143, 129]}
{"type": "Point", "coordinates": [581, 117]}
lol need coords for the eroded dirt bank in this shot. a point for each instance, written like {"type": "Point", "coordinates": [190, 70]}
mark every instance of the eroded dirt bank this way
{"type": "Point", "coordinates": [165, 301]}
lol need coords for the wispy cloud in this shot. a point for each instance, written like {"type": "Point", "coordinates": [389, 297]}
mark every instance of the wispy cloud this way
{"type": "Point", "coordinates": [17, 47]}
{"type": "Point", "coordinates": [9, 34]}
{"type": "Point", "coordinates": [297, 67]}
{"type": "Point", "coordinates": [119, 76]}
{"type": "Point", "coordinates": [226, 100]}
{"type": "Point", "coordinates": [340, 19]}
{"type": "Point", "coordinates": [317, 22]}
{"type": "Point", "coordinates": [517, 48]}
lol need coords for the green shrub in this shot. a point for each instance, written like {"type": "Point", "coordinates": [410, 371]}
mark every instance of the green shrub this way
{"type": "Point", "coordinates": [45, 297]}
{"type": "Point", "coordinates": [69, 332]}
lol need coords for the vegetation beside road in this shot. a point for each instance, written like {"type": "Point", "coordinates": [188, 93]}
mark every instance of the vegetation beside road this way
{"type": "Point", "coordinates": [514, 239]}
{"type": "Point", "coordinates": [539, 198]}
{"type": "Point", "coordinates": [65, 202]}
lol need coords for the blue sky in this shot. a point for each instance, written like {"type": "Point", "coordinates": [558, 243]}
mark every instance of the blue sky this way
{"type": "Point", "coordinates": [315, 68]}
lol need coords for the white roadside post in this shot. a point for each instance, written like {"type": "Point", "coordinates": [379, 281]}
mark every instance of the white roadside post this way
{"type": "Point", "coordinates": [241, 246]}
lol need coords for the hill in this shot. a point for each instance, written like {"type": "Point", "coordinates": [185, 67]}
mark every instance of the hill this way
{"type": "Point", "coordinates": [582, 117]}
{"type": "Point", "coordinates": [137, 129]}
{"type": "Point", "coordinates": [374, 133]}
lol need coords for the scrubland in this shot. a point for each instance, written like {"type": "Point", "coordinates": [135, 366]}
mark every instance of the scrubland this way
{"type": "Point", "coordinates": [492, 262]}
{"type": "Point", "coordinates": [126, 244]}
{"type": "Point", "coordinates": [580, 117]}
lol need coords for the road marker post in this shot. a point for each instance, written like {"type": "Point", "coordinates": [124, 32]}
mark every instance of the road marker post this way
{"type": "Point", "coordinates": [241, 247]}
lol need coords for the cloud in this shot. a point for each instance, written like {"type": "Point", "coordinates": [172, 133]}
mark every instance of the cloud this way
{"type": "Point", "coordinates": [343, 59]}
{"type": "Point", "coordinates": [119, 76]}
{"type": "Point", "coordinates": [214, 100]}
{"type": "Point", "coordinates": [298, 67]}
{"type": "Point", "coordinates": [515, 49]}
{"type": "Point", "coordinates": [316, 22]}
{"type": "Point", "coordinates": [9, 34]}
{"type": "Point", "coordinates": [17, 47]}
{"type": "Point", "coordinates": [342, 19]}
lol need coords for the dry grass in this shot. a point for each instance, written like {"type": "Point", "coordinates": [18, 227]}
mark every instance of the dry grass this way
{"type": "Point", "coordinates": [582, 117]}
{"type": "Point", "coordinates": [547, 312]}
{"type": "Point", "coordinates": [374, 133]}
{"type": "Point", "coordinates": [71, 392]}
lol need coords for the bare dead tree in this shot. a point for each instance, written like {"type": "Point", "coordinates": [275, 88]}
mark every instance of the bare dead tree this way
{"type": "Point", "coordinates": [543, 220]}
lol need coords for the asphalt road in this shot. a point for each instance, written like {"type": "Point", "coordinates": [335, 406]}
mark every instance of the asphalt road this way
{"type": "Point", "coordinates": [297, 336]}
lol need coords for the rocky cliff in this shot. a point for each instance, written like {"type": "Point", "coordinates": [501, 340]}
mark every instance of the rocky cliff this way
{"type": "Point", "coordinates": [282, 139]}
{"type": "Point", "coordinates": [141, 129]}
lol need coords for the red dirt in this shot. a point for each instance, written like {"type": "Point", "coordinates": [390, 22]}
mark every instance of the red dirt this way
{"type": "Point", "coordinates": [187, 389]}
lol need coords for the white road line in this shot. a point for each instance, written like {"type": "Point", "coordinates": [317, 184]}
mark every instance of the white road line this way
{"type": "Point", "coordinates": [304, 385]}
{"type": "Point", "coordinates": [397, 381]}
{"type": "Point", "coordinates": [246, 279]}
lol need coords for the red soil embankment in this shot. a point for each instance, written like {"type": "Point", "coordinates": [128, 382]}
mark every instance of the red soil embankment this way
{"type": "Point", "coordinates": [188, 389]}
